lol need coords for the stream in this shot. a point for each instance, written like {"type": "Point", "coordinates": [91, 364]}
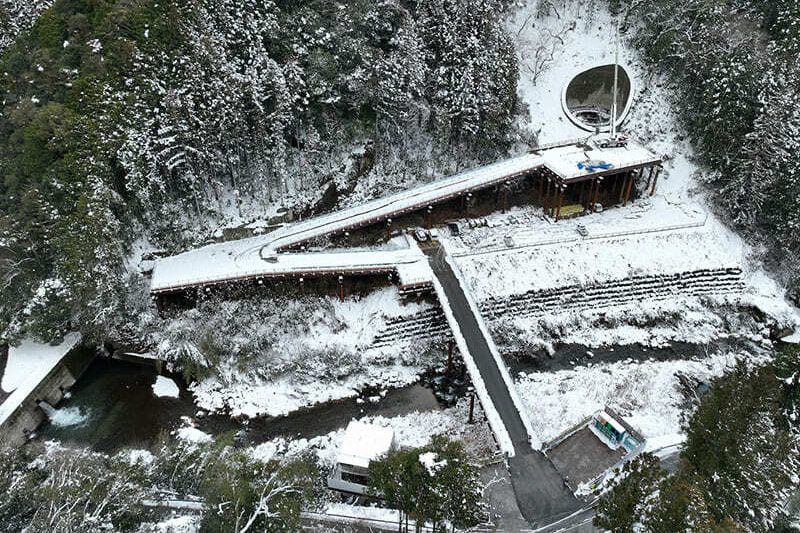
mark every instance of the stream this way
{"type": "Point", "coordinates": [113, 406]}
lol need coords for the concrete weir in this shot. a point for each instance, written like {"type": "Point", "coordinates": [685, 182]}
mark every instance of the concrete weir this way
{"type": "Point", "coordinates": [23, 410]}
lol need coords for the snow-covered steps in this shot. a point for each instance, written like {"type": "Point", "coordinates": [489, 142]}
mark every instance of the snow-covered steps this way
{"type": "Point", "coordinates": [431, 323]}
{"type": "Point", "coordinates": [632, 289]}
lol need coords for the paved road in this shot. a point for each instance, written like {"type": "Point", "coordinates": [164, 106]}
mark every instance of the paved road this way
{"type": "Point", "coordinates": [541, 495]}
{"type": "Point", "coordinates": [581, 522]}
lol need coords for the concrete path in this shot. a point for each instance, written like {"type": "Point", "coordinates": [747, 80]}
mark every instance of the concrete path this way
{"type": "Point", "coordinates": [541, 494]}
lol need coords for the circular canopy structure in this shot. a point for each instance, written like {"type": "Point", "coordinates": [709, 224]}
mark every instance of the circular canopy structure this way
{"type": "Point", "coordinates": [586, 99]}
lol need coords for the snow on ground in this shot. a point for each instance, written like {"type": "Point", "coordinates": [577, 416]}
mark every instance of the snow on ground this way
{"type": "Point", "coordinates": [595, 260]}
{"type": "Point", "coordinates": [27, 366]}
{"type": "Point", "coordinates": [165, 387]}
{"type": "Point", "coordinates": [286, 394]}
{"type": "Point", "coordinates": [180, 524]}
{"type": "Point", "coordinates": [349, 333]}
{"type": "Point", "coordinates": [363, 512]}
{"type": "Point", "coordinates": [187, 432]}
{"type": "Point", "coordinates": [576, 37]}
{"type": "Point", "coordinates": [646, 394]}
{"type": "Point", "coordinates": [412, 430]}
{"type": "Point", "coordinates": [654, 324]}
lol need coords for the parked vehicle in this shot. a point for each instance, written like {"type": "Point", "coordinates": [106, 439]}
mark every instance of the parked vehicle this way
{"type": "Point", "coordinates": [621, 141]}
{"type": "Point", "coordinates": [422, 235]}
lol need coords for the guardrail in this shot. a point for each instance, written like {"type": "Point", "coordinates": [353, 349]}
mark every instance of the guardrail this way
{"type": "Point", "coordinates": [607, 235]}
{"type": "Point", "coordinates": [547, 446]}
{"type": "Point", "coordinates": [559, 144]}
{"type": "Point", "coordinates": [376, 523]}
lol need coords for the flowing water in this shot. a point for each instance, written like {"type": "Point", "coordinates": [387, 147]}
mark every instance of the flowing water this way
{"type": "Point", "coordinates": [113, 406]}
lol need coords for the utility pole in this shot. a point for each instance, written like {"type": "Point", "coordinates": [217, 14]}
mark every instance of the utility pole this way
{"type": "Point", "coordinates": [614, 95]}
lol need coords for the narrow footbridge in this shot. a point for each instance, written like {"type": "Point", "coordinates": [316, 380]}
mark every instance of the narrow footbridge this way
{"type": "Point", "coordinates": [541, 494]}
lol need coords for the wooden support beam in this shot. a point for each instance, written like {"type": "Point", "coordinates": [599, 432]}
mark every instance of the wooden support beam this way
{"type": "Point", "coordinates": [628, 191]}
{"type": "Point", "coordinates": [560, 201]}
{"type": "Point", "coordinates": [624, 185]}
{"type": "Point", "coordinates": [341, 289]}
{"type": "Point", "coordinates": [541, 184]}
{"type": "Point", "coordinates": [430, 217]}
{"type": "Point", "coordinates": [596, 192]}
{"type": "Point", "coordinates": [655, 180]}
{"type": "Point", "coordinates": [388, 228]}
{"type": "Point", "coordinates": [470, 420]}
{"type": "Point", "coordinates": [506, 188]}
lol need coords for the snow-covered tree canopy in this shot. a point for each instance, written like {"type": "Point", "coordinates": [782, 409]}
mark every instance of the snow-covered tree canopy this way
{"type": "Point", "coordinates": [735, 64]}
{"type": "Point", "coordinates": [127, 118]}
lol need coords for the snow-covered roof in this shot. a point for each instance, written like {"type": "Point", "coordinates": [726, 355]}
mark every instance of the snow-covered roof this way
{"type": "Point", "coordinates": [247, 258]}
{"type": "Point", "coordinates": [563, 160]}
{"type": "Point", "coordinates": [363, 443]}
{"type": "Point", "coordinates": [244, 259]}
{"type": "Point", "coordinates": [404, 201]}
{"type": "Point", "coordinates": [619, 428]}
{"type": "Point", "coordinates": [28, 364]}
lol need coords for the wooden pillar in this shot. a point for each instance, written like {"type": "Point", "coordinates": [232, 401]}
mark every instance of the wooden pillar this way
{"type": "Point", "coordinates": [467, 200]}
{"type": "Point", "coordinates": [622, 189]}
{"type": "Point", "coordinates": [580, 195]}
{"type": "Point", "coordinates": [471, 405]}
{"type": "Point", "coordinates": [302, 286]}
{"type": "Point", "coordinates": [388, 228]}
{"type": "Point", "coordinates": [649, 177]}
{"type": "Point", "coordinates": [598, 181]}
{"type": "Point", "coordinates": [588, 203]}
{"type": "Point", "coordinates": [560, 200]}
{"type": "Point", "coordinates": [547, 195]}
{"type": "Point", "coordinates": [341, 289]}
{"type": "Point", "coordinates": [541, 184]}
{"type": "Point", "coordinates": [655, 180]}
{"type": "Point", "coordinates": [628, 191]}
{"type": "Point", "coordinates": [430, 217]}
{"type": "Point", "coordinates": [506, 187]}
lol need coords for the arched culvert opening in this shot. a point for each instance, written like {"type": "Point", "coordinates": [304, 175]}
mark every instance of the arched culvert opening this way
{"type": "Point", "coordinates": [586, 99]}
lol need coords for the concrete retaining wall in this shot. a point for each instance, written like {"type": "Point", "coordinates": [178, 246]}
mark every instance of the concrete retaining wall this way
{"type": "Point", "coordinates": [28, 415]}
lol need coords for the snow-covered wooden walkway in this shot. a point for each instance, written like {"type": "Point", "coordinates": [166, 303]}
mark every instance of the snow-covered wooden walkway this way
{"type": "Point", "coordinates": [261, 257]}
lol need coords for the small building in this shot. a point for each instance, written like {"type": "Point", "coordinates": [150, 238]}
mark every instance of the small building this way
{"type": "Point", "coordinates": [362, 444]}
{"type": "Point", "coordinates": [608, 426]}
